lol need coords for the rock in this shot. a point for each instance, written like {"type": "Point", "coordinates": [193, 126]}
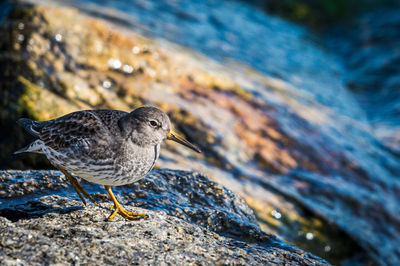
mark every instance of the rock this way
{"type": "Point", "coordinates": [320, 15]}
{"type": "Point", "coordinates": [374, 51]}
{"type": "Point", "coordinates": [292, 140]}
{"type": "Point", "coordinates": [191, 220]}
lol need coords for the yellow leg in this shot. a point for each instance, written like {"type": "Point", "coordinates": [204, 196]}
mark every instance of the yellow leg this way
{"type": "Point", "coordinates": [118, 209]}
{"type": "Point", "coordinates": [78, 187]}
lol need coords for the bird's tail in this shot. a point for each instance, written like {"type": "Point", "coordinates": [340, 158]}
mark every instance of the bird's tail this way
{"type": "Point", "coordinates": [35, 146]}
{"type": "Point", "coordinates": [29, 125]}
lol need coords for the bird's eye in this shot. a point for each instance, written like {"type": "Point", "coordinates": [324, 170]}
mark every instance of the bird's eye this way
{"type": "Point", "coordinates": [153, 123]}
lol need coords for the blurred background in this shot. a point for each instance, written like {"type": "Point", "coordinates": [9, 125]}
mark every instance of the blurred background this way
{"type": "Point", "coordinates": [296, 104]}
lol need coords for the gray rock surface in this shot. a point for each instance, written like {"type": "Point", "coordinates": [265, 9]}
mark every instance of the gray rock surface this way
{"type": "Point", "coordinates": [192, 221]}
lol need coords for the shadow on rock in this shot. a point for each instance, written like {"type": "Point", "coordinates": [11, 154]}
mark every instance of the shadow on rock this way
{"type": "Point", "coordinates": [33, 209]}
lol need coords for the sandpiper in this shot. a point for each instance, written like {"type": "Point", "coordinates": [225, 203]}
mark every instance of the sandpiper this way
{"type": "Point", "coordinates": [107, 147]}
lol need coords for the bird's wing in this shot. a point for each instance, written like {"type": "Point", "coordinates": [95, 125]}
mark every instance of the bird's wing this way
{"type": "Point", "coordinates": [80, 129]}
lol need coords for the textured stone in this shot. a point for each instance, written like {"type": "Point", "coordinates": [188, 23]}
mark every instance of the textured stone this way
{"type": "Point", "coordinates": [192, 220]}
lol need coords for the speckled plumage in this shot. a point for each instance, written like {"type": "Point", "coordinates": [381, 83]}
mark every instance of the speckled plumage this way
{"type": "Point", "coordinates": [97, 145]}
{"type": "Point", "coordinates": [107, 147]}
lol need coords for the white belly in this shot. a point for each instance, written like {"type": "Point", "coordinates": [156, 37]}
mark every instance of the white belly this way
{"type": "Point", "coordinates": [110, 171]}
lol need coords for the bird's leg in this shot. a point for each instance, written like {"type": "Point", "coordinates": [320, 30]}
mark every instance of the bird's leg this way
{"type": "Point", "coordinates": [118, 209]}
{"type": "Point", "coordinates": [78, 187]}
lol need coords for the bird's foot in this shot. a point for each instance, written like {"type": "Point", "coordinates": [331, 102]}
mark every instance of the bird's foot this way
{"type": "Point", "coordinates": [118, 209]}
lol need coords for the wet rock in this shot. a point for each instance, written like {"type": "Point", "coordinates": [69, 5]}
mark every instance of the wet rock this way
{"type": "Point", "coordinates": [372, 57]}
{"type": "Point", "coordinates": [320, 15]}
{"type": "Point", "coordinates": [191, 220]}
{"type": "Point", "coordinates": [292, 141]}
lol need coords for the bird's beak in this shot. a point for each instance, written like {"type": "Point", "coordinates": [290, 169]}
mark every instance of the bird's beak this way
{"type": "Point", "coordinates": [175, 137]}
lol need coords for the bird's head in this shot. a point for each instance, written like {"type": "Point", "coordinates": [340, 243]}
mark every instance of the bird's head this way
{"type": "Point", "coordinates": [150, 126]}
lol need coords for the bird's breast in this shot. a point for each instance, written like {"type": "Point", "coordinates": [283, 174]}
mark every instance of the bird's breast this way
{"type": "Point", "coordinates": [135, 163]}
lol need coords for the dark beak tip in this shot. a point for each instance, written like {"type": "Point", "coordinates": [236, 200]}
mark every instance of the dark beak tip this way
{"type": "Point", "coordinates": [173, 136]}
{"type": "Point", "coordinates": [193, 147]}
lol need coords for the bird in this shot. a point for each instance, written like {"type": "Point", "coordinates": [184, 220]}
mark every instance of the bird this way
{"type": "Point", "coordinates": [107, 147]}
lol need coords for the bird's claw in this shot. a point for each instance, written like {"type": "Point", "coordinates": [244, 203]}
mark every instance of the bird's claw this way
{"type": "Point", "coordinates": [118, 209]}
